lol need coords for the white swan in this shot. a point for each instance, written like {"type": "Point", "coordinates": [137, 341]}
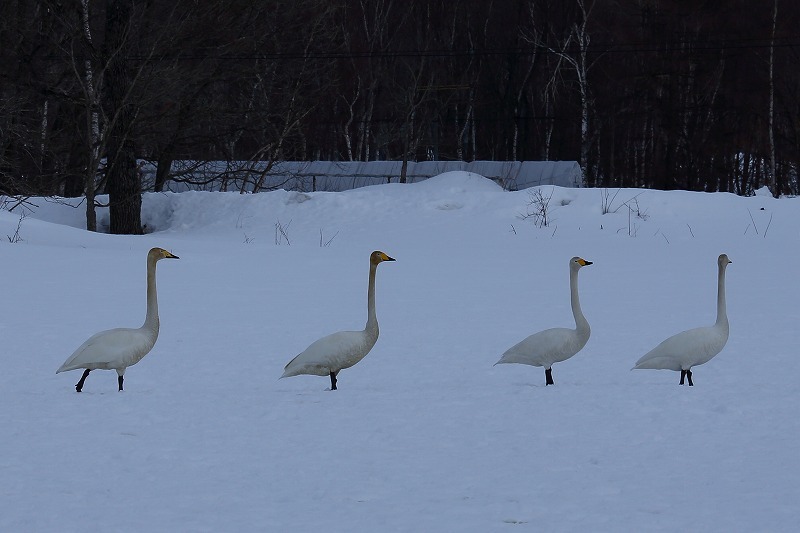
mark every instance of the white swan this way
{"type": "Point", "coordinates": [121, 347]}
{"type": "Point", "coordinates": [328, 355]}
{"type": "Point", "coordinates": [556, 344]}
{"type": "Point", "coordinates": [695, 346]}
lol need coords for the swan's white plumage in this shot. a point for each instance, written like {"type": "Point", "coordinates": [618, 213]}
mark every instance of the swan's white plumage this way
{"type": "Point", "coordinates": [119, 348]}
{"type": "Point", "coordinates": [111, 349]}
{"type": "Point", "coordinates": [545, 348]}
{"type": "Point", "coordinates": [332, 353]}
{"type": "Point", "coordinates": [557, 344]}
{"type": "Point", "coordinates": [695, 346]}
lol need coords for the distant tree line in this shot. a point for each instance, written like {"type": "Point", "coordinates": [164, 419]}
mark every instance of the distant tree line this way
{"type": "Point", "coordinates": [697, 95]}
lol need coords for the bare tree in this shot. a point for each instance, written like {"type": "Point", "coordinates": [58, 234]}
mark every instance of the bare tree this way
{"type": "Point", "coordinates": [642, 93]}
{"type": "Point", "coordinates": [574, 50]}
{"type": "Point", "coordinates": [416, 83]}
{"type": "Point", "coordinates": [369, 29]}
{"type": "Point", "coordinates": [771, 115]}
{"type": "Point", "coordinates": [112, 73]}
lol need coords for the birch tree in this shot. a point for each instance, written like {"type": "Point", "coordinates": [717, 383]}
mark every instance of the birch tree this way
{"type": "Point", "coordinates": [574, 51]}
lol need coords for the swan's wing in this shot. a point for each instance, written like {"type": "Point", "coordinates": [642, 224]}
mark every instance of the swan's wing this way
{"type": "Point", "coordinates": [330, 354]}
{"type": "Point", "coordinates": [685, 349]}
{"type": "Point", "coordinates": [113, 348]}
{"type": "Point", "coordinates": [544, 348]}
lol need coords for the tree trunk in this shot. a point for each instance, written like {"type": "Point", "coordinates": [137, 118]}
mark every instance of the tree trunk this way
{"type": "Point", "coordinates": [163, 168]}
{"type": "Point", "coordinates": [773, 176]}
{"type": "Point", "coordinates": [124, 190]}
{"type": "Point", "coordinates": [92, 149]}
{"type": "Point", "coordinates": [123, 180]}
{"type": "Point", "coordinates": [77, 161]}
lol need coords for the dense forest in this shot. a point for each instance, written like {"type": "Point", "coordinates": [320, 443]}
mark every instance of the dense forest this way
{"type": "Point", "coordinates": [697, 95]}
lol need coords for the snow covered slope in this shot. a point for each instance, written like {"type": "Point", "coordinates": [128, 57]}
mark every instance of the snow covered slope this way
{"type": "Point", "coordinates": [424, 434]}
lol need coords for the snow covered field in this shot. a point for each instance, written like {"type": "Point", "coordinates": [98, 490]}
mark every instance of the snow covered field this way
{"type": "Point", "coordinates": [424, 434]}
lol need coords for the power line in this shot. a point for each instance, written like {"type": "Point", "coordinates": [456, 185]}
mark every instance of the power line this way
{"type": "Point", "coordinates": [674, 46]}
{"type": "Point", "coordinates": [684, 46]}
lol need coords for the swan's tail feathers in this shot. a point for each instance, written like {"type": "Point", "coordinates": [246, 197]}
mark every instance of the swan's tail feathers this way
{"type": "Point", "coordinates": [66, 367]}
{"type": "Point", "coordinates": [519, 358]}
{"type": "Point", "coordinates": [657, 363]}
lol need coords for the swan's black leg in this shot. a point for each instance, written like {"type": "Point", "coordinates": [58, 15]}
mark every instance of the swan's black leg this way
{"type": "Point", "coordinates": [333, 380]}
{"type": "Point", "coordinates": [683, 376]}
{"type": "Point", "coordinates": [119, 381]}
{"type": "Point", "coordinates": [689, 376]}
{"type": "Point", "coordinates": [79, 386]}
{"type": "Point", "coordinates": [548, 374]}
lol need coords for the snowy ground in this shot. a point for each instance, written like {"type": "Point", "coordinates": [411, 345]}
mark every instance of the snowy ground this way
{"type": "Point", "coordinates": [424, 434]}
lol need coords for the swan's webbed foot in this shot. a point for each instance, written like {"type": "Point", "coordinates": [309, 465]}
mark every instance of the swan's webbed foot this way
{"type": "Point", "coordinates": [119, 382]}
{"type": "Point", "coordinates": [79, 385]}
{"type": "Point", "coordinates": [548, 375]}
{"type": "Point", "coordinates": [333, 380]}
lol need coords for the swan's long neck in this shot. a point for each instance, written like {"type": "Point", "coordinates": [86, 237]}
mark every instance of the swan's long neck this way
{"type": "Point", "coordinates": [722, 313]}
{"type": "Point", "coordinates": [581, 323]}
{"type": "Point", "coordinates": [372, 318]}
{"type": "Point", "coordinates": [151, 319]}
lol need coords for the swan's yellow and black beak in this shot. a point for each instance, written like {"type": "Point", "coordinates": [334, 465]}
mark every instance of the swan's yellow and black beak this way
{"type": "Point", "coordinates": [169, 255]}
{"type": "Point", "coordinates": [377, 257]}
{"type": "Point", "coordinates": [583, 262]}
